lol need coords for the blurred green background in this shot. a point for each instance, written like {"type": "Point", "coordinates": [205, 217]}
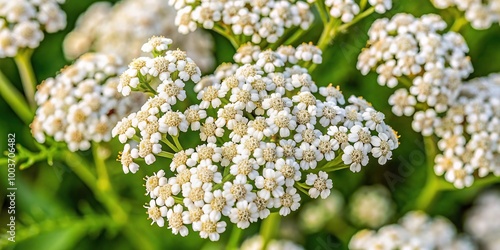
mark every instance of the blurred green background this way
{"type": "Point", "coordinates": [55, 210]}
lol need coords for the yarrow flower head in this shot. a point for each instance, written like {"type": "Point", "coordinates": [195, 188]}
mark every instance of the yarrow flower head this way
{"type": "Point", "coordinates": [414, 53]}
{"type": "Point", "coordinates": [81, 103]}
{"type": "Point", "coordinates": [415, 230]}
{"type": "Point", "coordinates": [431, 67]}
{"type": "Point", "coordinates": [23, 23]}
{"type": "Point", "coordinates": [101, 29]}
{"type": "Point", "coordinates": [481, 222]}
{"type": "Point", "coordinates": [468, 133]}
{"type": "Point", "coordinates": [371, 206]}
{"type": "Point", "coordinates": [257, 21]}
{"type": "Point", "coordinates": [258, 126]}
{"type": "Point", "coordinates": [480, 14]}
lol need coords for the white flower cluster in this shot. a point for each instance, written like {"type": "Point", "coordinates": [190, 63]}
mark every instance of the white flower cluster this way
{"type": "Point", "coordinates": [115, 29]}
{"type": "Point", "coordinates": [469, 133]}
{"type": "Point", "coordinates": [256, 242]}
{"type": "Point", "coordinates": [480, 13]}
{"type": "Point", "coordinates": [416, 230]}
{"type": "Point", "coordinates": [482, 222]}
{"type": "Point", "coordinates": [371, 206]}
{"type": "Point", "coordinates": [314, 215]}
{"type": "Point", "coordinates": [413, 52]}
{"type": "Point", "coordinates": [22, 23]}
{"type": "Point", "coordinates": [264, 136]}
{"type": "Point", "coordinates": [255, 21]}
{"type": "Point", "coordinates": [346, 10]}
{"type": "Point", "coordinates": [81, 103]}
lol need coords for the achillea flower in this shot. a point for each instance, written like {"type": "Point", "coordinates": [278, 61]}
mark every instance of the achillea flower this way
{"type": "Point", "coordinates": [23, 23]}
{"type": "Point", "coordinates": [416, 230]}
{"type": "Point", "coordinates": [254, 139]}
{"type": "Point", "coordinates": [101, 29]}
{"type": "Point", "coordinates": [80, 104]}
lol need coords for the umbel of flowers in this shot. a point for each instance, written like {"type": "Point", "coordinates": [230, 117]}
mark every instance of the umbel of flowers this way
{"type": "Point", "coordinates": [22, 23]}
{"type": "Point", "coordinates": [81, 103]}
{"type": "Point", "coordinates": [266, 134]}
{"type": "Point", "coordinates": [101, 29]}
{"type": "Point", "coordinates": [469, 133]}
{"type": "Point", "coordinates": [428, 68]}
{"type": "Point", "coordinates": [415, 230]}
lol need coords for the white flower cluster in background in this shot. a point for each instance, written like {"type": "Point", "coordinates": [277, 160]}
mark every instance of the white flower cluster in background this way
{"type": "Point", "coordinates": [255, 21]}
{"type": "Point", "coordinates": [81, 104]}
{"type": "Point", "coordinates": [263, 136]}
{"type": "Point", "coordinates": [127, 24]}
{"type": "Point", "coordinates": [414, 53]}
{"type": "Point", "coordinates": [316, 214]}
{"type": "Point", "coordinates": [469, 133]}
{"type": "Point", "coordinates": [416, 230]}
{"type": "Point", "coordinates": [371, 206]}
{"type": "Point", "coordinates": [480, 13]}
{"type": "Point", "coordinates": [23, 22]}
{"type": "Point", "coordinates": [482, 222]}
{"type": "Point", "coordinates": [256, 242]}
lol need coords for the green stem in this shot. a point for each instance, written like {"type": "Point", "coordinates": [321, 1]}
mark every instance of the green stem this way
{"type": "Point", "coordinates": [102, 173]}
{"type": "Point", "coordinates": [227, 35]}
{"type": "Point", "coordinates": [356, 19]}
{"type": "Point", "coordinates": [170, 144]}
{"type": "Point", "coordinates": [15, 100]}
{"type": "Point", "coordinates": [458, 24]}
{"type": "Point", "coordinates": [234, 240]}
{"type": "Point", "coordinates": [177, 143]}
{"type": "Point", "coordinates": [166, 154]}
{"type": "Point", "coordinates": [405, 81]}
{"type": "Point", "coordinates": [362, 5]}
{"type": "Point", "coordinates": [327, 36]}
{"type": "Point", "coordinates": [107, 198]}
{"type": "Point", "coordinates": [81, 168]}
{"type": "Point", "coordinates": [432, 187]}
{"type": "Point", "coordinates": [269, 228]}
{"type": "Point", "coordinates": [296, 35]}
{"type": "Point", "coordinates": [323, 12]}
{"type": "Point", "coordinates": [341, 229]}
{"type": "Point", "coordinates": [23, 62]}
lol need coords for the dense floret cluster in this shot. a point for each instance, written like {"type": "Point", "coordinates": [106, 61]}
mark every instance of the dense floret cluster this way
{"type": "Point", "coordinates": [116, 29]}
{"type": "Point", "coordinates": [415, 230]}
{"type": "Point", "coordinates": [263, 135]}
{"type": "Point", "coordinates": [81, 104]}
{"type": "Point", "coordinates": [23, 22]}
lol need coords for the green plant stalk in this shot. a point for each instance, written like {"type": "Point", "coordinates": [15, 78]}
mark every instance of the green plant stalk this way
{"type": "Point", "coordinates": [323, 12]}
{"type": "Point", "coordinates": [166, 154]}
{"type": "Point", "coordinates": [23, 62]}
{"type": "Point", "coordinates": [170, 144]}
{"type": "Point", "coordinates": [327, 34]}
{"type": "Point", "coordinates": [15, 100]}
{"type": "Point", "coordinates": [226, 34]}
{"type": "Point", "coordinates": [341, 229]}
{"type": "Point", "coordinates": [79, 167]}
{"type": "Point", "coordinates": [107, 198]}
{"type": "Point", "coordinates": [362, 5]}
{"type": "Point", "coordinates": [458, 24]}
{"type": "Point", "coordinates": [432, 187]}
{"type": "Point", "coordinates": [269, 228]}
{"type": "Point", "coordinates": [103, 182]}
{"type": "Point", "coordinates": [234, 240]}
{"type": "Point", "coordinates": [177, 143]}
